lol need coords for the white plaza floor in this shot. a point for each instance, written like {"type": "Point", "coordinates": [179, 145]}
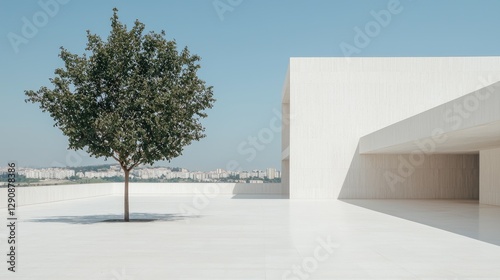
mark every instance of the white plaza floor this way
{"type": "Point", "coordinates": [256, 238]}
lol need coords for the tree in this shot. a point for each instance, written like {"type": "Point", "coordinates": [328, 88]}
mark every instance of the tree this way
{"type": "Point", "coordinates": [134, 98]}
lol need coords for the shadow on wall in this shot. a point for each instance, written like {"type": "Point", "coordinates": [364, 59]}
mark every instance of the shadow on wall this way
{"type": "Point", "coordinates": [428, 176]}
{"type": "Point", "coordinates": [93, 219]}
{"type": "Point", "coordinates": [464, 217]}
{"type": "Point", "coordinates": [259, 191]}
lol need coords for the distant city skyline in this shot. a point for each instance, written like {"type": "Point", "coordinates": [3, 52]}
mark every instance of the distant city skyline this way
{"type": "Point", "coordinates": [4, 167]}
{"type": "Point", "coordinates": [159, 173]}
{"type": "Point", "coordinates": [245, 48]}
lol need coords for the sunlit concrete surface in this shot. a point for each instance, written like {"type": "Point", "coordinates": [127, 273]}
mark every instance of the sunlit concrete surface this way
{"type": "Point", "coordinates": [256, 237]}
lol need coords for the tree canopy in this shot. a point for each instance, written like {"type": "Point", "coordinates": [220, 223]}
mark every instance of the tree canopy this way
{"type": "Point", "coordinates": [134, 97]}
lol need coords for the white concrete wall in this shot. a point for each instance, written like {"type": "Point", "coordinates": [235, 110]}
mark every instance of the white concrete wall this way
{"type": "Point", "coordinates": [335, 101]}
{"type": "Point", "coordinates": [45, 194]}
{"type": "Point", "coordinates": [490, 177]}
{"type": "Point", "coordinates": [196, 188]}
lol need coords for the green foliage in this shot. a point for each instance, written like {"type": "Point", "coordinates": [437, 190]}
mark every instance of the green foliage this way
{"type": "Point", "coordinates": [133, 97]}
{"type": "Point", "coordinates": [102, 167]}
{"type": "Point", "coordinates": [264, 180]}
{"type": "Point", "coordinates": [91, 181]}
{"type": "Point", "coordinates": [275, 180]}
{"type": "Point", "coordinates": [176, 169]}
{"type": "Point", "coordinates": [20, 179]}
{"type": "Point", "coordinates": [119, 179]}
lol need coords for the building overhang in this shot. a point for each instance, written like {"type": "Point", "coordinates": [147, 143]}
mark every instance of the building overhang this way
{"type": "Point", "coordinates": [465, 125]}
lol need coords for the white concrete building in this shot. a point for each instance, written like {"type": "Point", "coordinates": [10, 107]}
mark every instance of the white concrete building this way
{"type": "Point", "coordinates": [271, 173]}
{"type": "Point", "coordinates": [47, 173]}
{"type": "Point", "coordinates": [392, 127]}
{"type": "Point", "coordinates": [244, 175]}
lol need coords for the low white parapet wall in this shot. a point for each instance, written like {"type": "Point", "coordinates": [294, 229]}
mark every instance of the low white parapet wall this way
{"type": "Point", "coordinates": [195, 188]}
{"type": "Point", "coordinates": [46, 194]}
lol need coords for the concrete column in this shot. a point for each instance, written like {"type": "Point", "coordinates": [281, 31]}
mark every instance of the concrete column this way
{"type": "Point", "coordinates": [489, 177]}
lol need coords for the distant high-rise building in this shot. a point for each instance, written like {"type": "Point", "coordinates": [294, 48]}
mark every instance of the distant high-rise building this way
{"type": "Point", "coordinates": [244, 175]}
{"type": "Point", "coordinates": [255, 173]}
{"type": "Point", "coordinates": [271, 173]}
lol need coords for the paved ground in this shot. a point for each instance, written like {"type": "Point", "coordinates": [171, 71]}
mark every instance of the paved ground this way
{"type": "Point", "coordinates": [242, 238]}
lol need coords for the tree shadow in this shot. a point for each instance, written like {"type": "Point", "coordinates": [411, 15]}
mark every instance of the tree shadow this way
{"type": "Point", "coordinates": [113, 218]}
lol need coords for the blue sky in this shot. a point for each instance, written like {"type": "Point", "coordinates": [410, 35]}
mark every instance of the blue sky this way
{"type": "Point", "coordinates": [245, 47]}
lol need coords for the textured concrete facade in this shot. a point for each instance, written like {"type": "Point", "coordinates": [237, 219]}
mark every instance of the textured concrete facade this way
{"type": "Point", "coordinates": [396, 176]}
{"type": "Point", "coordinates": [333, 102]}
{"type": "Point", "coordinates": [490, 177]}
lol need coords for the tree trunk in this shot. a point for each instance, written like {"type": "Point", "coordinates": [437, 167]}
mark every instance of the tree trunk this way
{"type": "Point", "coordinates": [126, 212]}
